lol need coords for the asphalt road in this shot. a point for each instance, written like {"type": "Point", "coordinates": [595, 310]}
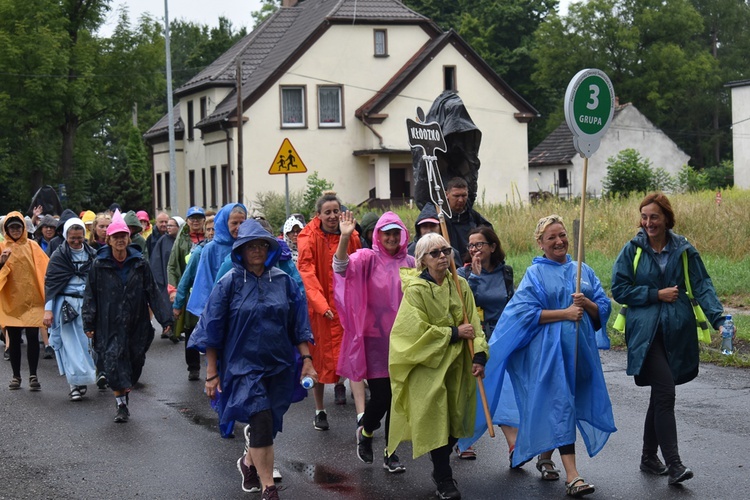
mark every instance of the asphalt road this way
{"type": "Point", "coordinates": [51, 447]}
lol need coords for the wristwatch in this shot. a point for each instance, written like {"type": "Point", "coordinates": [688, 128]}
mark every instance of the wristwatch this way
{"type": "Point", "coordinates": [306, 356]}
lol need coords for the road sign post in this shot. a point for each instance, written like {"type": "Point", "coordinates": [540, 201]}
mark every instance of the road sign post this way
{"type": "Point", "coordinates": [287, 161]}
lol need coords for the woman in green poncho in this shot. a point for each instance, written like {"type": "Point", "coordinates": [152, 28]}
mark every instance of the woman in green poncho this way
{"type": "Point", "coordinates": [432, 373]}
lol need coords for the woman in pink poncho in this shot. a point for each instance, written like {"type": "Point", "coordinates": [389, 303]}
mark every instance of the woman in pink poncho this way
{"type": "Point", "coordinates": [367, 290]}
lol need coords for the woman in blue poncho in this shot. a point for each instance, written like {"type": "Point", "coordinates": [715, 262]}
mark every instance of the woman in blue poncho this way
{"type": "Point", "coordinates": [254, 318]}
{"type": "Point", "coordinates": [226, 225]}
{"type": "Point", "coordinates": [546, 341]}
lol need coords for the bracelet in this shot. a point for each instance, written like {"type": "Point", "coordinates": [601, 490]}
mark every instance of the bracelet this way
{"type": "Point", "coordinates": [306, 356]}
{"type": "Point", "coordinates": [209, 379]}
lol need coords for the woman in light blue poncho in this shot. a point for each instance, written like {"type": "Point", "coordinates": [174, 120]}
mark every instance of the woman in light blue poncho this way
{"type": "Point", "coordinates": [546, 340]}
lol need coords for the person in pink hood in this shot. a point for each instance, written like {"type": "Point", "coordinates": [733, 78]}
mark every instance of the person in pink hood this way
{"type": "Point", "coordinates": [367, 290]}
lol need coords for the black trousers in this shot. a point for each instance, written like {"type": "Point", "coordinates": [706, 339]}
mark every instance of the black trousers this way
{"type": "Point", "coordinates": [660, 427]}
{"type": "Point", "coordinates": [192, 356]}
{"type": "Point", "coordinates": [32, 348]}
{"type": "Point", "coordinates": [378, 406]}
{"type": "Point", "coordinates": [441, 461]}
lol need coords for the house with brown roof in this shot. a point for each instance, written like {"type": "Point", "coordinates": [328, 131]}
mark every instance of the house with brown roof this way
{"type": "Point", "coordinates": [338, 79]}
{"type": "Point", "coordinates": [741, 132]}
{"type": "Point", "coordinates": [555, 166]}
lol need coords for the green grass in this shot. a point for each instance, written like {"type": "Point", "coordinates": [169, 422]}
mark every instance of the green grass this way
{"type": "Point", "coordinates": [720, 234]}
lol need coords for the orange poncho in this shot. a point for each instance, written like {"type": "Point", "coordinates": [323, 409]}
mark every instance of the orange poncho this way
{"type": "Point", "coordinates": [315, 264]}
{"type": "Point", "coordinates": [22, 279]}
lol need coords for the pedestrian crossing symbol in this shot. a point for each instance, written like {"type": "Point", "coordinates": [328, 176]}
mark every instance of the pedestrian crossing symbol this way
{"type": "Point", "coordinates": [287, 161]}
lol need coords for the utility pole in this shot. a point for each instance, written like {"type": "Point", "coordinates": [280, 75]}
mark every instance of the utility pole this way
{"type": "Point", "coordinates": [170, 117]}
{"type": "Point", "coordinates": [240, 115]}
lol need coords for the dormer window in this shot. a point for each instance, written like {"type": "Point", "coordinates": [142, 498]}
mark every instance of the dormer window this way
{"type": "Point", "coordinates": [381, 43]}
{"type": "Point", "coordinates": [449, 78]}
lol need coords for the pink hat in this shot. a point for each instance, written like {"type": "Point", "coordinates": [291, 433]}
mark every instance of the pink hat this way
{"type": "Point", "coordinates": [142, 215]}
{"type": "Point", "coordinates": [118, 224]}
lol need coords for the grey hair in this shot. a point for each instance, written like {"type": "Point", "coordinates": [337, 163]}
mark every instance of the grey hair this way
{"type": "Point", "coordinates": [424, 244]}
{"type": "Point", "coordinates": [238, 209]}
{"type": "Point", "coordinates": [546, 222]}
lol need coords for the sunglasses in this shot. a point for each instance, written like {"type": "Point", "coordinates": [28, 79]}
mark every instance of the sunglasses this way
{"type": "Point", "coordinates": [436, 253]}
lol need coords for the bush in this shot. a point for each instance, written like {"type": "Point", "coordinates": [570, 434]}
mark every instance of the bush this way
{"type": "Point", "coordinates": [690, 180]}
{"type": "Point", "coordinates": [315, 187]}
{"type": "Point", "coordinates": [628, 172]}
{"type": "Point", "coordinates": [273, 207]}
{"type": "Point", "coordinates": [720, 177]}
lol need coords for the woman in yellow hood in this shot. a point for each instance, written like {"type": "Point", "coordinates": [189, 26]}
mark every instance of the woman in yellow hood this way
{"type": "Point", "coordinates": [22, 267]}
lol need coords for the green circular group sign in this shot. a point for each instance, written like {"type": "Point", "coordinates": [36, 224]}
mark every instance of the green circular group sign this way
{"type": "Point", "coordinates": [589, 107]}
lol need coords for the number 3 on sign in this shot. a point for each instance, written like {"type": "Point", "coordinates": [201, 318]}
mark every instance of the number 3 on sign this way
{"type": "Point", "coordinates": [594, 103]}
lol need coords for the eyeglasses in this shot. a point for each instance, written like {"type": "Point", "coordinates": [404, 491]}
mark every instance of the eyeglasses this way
{"type": "Point", "coordinates": [173, 226]}
{"type": "Point", "coordinates": [436, 253]}
{"type": "Point", "coordinates": [255, 247]}
{"type": "Point", "coordinates": [478, 245]}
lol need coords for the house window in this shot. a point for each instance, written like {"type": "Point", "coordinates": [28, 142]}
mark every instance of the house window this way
{"type": "Point", "coordinates": [562, 178]}
{"type": "Point", "coordinates": [167, 194]}
{"type": "Point", "coordinates": [190, 120]}
{"type": "Point", "coordinates": [203, 186]}
{"type": "Point", "coordinates": [329, 107]}
{"type": "Point", "coordinates": [191, 187]}
{"type": "Point", "coordinates": [203, 107]}
{"type": "Point", "coordinates": [213, 186]}
{"type": "Point", "coordinates": [225, 184]}
{"type": "Point", "coordinates": [449, 78]}
{"type": "Point", "coordinates": [293, 107]}
{"type": "Point", "coordinates": [158, 192]}
{"type": "Point", "coordinates": [381, 43]}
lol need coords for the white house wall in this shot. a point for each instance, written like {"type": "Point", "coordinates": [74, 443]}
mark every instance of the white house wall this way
{"type": "Point", "coordinates": [343, 56]}
{"type": "Point", "coordinates": [741, 135]}
{"type": "Point", "coordinates": [503, 152]}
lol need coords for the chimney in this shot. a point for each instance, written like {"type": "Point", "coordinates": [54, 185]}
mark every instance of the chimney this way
{"type": "Point", "coordinates": [288, 3]}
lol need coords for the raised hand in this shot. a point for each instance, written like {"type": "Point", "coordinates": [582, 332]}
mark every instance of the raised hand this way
{"type": "Point", "coordinates": [347, 223]}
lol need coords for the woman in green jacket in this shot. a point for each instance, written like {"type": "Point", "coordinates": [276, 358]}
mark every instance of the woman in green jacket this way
{"type": "Point", "coordinates": [661, 329]}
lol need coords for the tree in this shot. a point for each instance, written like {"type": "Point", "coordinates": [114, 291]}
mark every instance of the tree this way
{"type": "Point", "coordinates": [628, 172]}
{"type": "Point", "coordinates": [501, 32]}
{"type": "Point", "coordinates": [657, 57]}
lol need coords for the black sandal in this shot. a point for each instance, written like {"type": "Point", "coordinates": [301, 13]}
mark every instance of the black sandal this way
{"type": "Point", "coordinates": [15, 383]}
{"type": "Point", "coordinates": [578, 488]}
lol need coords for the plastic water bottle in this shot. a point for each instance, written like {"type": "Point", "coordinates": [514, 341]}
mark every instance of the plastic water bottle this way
{"type": "Point", "coordinates": [727, 336]}
{"type": "Point", "coordinates": [307, 383]}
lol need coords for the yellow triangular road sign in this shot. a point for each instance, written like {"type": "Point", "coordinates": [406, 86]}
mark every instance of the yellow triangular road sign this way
{"type": "Point", "coordinates": [287, 161]}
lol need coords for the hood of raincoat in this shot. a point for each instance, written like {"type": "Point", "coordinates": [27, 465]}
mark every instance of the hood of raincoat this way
{"type": "Point", "coordinates": [385, 219]}
{"type": "Point", "coordinates": [252, 230]}
{"type": "Point", "coordinates": [369, 220]}
{"type": "Point", "coordinates": [15, 216]}
{"type": "Point", "coordinates": [67, 214]}
{"type": "Point", "coordinates": [290, 223]}
{"type": "Point", "coordinates": [222, 235]}
{"type": "Point", "coordinates": [22, 279]}
{"type": "Point", "coordinates": [428, 212]}
{"type": "Point", "coordinates": [286, 252]}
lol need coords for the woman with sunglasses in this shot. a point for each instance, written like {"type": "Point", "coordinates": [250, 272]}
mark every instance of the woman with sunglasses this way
{"type": "Point", "coordinates": [491, 282]}
{"type": "Point", "coordinates": [431, 369]}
